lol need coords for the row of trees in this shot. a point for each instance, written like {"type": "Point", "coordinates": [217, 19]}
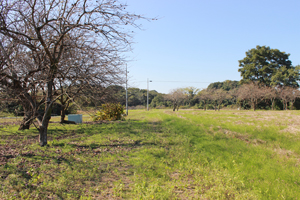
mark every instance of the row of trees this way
{"type": "Point", "coordinates": [244, 96]}
{"type": "Point", "coordinates": [253, 94]}
{"type": "Point", "coordinates": [216, 95]}
{"type": "Point", "coordinates": [138, 97]}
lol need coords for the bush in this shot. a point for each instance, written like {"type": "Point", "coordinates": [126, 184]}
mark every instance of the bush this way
{"type": "Point", "coordinates": [109, 111]}
{"type": "Point", "coordinates": [72, 109]}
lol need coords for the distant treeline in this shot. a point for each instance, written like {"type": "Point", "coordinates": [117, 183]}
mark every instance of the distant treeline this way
{"type": "Point", "coordinates": [228, 94]}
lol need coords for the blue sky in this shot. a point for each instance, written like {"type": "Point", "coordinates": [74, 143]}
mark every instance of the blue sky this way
{"type": "Point", "coordinates": [197, 42]}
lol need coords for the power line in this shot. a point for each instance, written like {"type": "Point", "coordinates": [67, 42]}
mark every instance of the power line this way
{"type": "Point", "coordinates": [174, 81]}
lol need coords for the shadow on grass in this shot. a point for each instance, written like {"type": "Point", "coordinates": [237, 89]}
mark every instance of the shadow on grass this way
{"type": "Point", "coordinates": [135, 127]}
{"type": "Point", "coordinates": [17, 136]}
{"type": "Point", "coordinates": [40, 158]}
{"type": "Point", "coordinates": [134, 144]}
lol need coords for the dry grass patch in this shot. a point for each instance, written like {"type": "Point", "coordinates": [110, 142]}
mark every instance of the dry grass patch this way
{"type": "Point", "coordinates": [243, 137]}
{"type": "Point", "coordinates": [295, 130]}
{"type": "Point", "coordinates": [284, 152]}
{"type": "Point", "coordinates": [245, 123]}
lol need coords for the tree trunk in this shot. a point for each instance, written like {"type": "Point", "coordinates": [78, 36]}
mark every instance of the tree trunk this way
{"type": "Point", "coordinates": [43, 135]}
{"type": "Point", "coordinates": [273, 102]}
{"type": "Point", "coordinates": [47, 115]}
{"type": "Point", "coordinates": [27, 120]}
{"type": "Point", "coordinates": [241, 104]}
{"type": "Point", "coordinates": [28, 115]}
{"type": "Point", "coordinates": [62, 114]}
{"type": "Point", "coordinates": [254, 106]}
{"type": "Point", "coordinates": [44, 127]}
{"type": "Point", "coordinates": [24, 126]}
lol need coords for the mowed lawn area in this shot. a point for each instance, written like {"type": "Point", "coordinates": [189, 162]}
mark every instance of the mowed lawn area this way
{"type": "Point", "coordinates": [159, 154]}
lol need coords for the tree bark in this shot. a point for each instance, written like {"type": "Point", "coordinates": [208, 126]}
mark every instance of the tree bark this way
{"type": "Point", "coordinates": [47, 115]}
{"type": "Point", "coordinates": [43, 135]}
{"type": "Point", "coordinates": [27, 120]}
{"type": "Point", "coordinates": [28, 114]}
{"type": "Point", "coordinates": [43, 128]}
{"type": "Point", "coordinates": [62, 114]}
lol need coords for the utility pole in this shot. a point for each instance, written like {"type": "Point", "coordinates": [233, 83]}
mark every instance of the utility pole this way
{"type": "Point", "coordinates": [126, 93]}
{"type": "Point", "coordinates": [148, 93]}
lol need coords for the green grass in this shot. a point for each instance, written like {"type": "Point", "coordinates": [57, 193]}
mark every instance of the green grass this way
{"type": "Point", "coordinates": [160, 154]}
{"type": "Point", "coordinates": [6, 114]}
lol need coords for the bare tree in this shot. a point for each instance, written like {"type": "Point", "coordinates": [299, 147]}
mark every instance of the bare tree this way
{"type": "Point", "coordinates": [190, 93]}
{"type": "Point", "coordinates": [176, 96]}
{"type": "Point", "coordinates": [294, 94]}
{"type": "Point", "coordinates": [45, 29]}
{"type": "Point", "coordinates": [87, 77]}
{"type": "Point", "coordinates": [251, 92]}
{"type": "Point", "coordinates": [20, 78]}
{"type": "Point", "coordinates": [284, 95]}
{"type": "Point", "coordinates": [204, 96]}
{"type": "Point", "coordinates": [220, 95]}
{"type": "Point", "coordinates": [288, 95]}
{"type": "Point", "coordinates": [233, 96]}
{"type": "Point", "coordinates": [270, 93]}
{"type": "Point", "coordinates": [216, 96]}
{"type": "Point", "coordinates": [213, 97]}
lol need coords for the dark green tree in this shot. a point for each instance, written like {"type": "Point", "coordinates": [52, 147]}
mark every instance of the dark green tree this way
{"type": "Point", "coordinates": [268, 66]}
{"type": "Point", "coordinates": [158, 101]}
{"type": "Point", "coordinates": [225, 85]}
{"type": "Point", "coordinates": [135, 97]}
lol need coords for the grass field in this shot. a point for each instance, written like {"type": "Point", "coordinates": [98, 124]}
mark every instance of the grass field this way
{"type": "Point", "coordinates": [160, 154]}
